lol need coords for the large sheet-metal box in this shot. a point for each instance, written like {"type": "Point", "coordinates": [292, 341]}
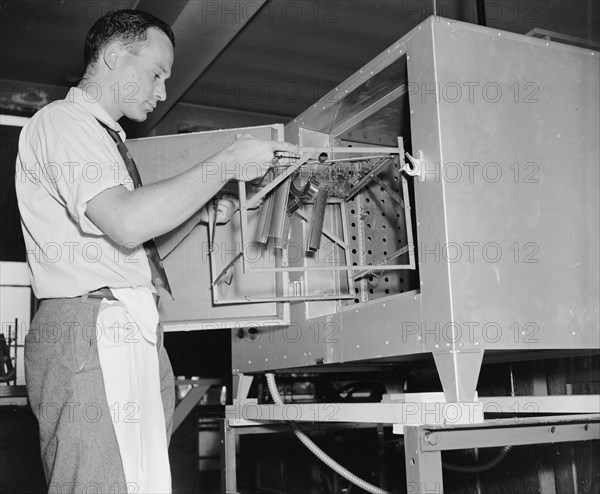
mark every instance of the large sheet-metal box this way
{"type": "Point", "coordinates": [503, 130]}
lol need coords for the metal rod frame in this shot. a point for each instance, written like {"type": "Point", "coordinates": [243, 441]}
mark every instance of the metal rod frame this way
{"type": "Point", "coordinates": [307, 154]}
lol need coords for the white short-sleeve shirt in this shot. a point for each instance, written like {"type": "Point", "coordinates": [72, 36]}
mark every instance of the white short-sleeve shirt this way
{"type": "Point", "coordinates": [65, 159]}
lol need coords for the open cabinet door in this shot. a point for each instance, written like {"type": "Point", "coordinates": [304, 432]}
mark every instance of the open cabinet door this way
{"type": "Point", "coordinates": [191, 257]}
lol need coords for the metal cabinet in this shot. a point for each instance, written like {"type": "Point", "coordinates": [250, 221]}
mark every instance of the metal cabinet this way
{"type": "Point", "coordinates": [503, 133]}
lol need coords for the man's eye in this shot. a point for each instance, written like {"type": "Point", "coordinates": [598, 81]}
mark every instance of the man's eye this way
{"type": "Point", "coordinates": [156, 75]}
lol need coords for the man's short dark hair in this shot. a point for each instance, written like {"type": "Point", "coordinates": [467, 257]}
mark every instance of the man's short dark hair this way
{"type": "Point", "coordinates": [128, 26]}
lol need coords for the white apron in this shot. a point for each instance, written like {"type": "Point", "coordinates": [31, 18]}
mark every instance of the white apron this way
{"type": "Point", "coordinates": [129, 363]}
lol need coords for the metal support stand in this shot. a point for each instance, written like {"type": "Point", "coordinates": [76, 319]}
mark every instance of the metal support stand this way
{"type": "Point", "coordinates": [424, 444]}
{"type": "Point", "coordinates": [457, 426]}
{"type": "Point", "coordinates": [228, 461]}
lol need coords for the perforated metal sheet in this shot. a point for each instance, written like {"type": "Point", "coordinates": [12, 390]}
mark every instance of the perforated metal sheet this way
{"type": "Point", "coordinates": [377, 230]}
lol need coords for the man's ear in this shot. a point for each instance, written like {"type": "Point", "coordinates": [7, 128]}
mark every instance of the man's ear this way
{"type": "Point", "coordinates": [111, 54]}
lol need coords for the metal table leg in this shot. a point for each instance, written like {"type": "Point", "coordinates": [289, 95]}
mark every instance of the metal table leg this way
{"type": "Point", "coordinates": [423, 468]}
{"type": "Point", "coordinates": [228, 461]}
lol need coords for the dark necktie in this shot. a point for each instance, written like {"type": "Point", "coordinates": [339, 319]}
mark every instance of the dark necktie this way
{"type": "Point", "coordinates": [159, 276]}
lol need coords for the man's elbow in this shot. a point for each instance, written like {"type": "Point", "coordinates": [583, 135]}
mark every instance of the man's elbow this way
{"type": "Point", "coordinates": [121, 228]}
{"type": "Point", "coordinates": [126, 233]}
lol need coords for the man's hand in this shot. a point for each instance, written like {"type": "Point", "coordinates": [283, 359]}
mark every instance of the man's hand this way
{"type": "Point", "coordinates": [226, 206]}
{"type": "Point", "coordinates": [249, 158]}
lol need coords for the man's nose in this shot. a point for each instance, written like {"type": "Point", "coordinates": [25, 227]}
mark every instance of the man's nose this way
{"type": "Point", "coordinates": [160, 91]}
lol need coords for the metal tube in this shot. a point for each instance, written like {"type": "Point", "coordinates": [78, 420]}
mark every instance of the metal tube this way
{"type": "Point", "coordinates": [316, 222]}
{"type": "Point", "coordinates": [265, 212]}
{"type": "Point", "coordinates": [279, 213]}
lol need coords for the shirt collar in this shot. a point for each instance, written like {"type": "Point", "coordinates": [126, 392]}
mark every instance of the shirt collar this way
{"type": "Point", "coordinates": [78, 96]}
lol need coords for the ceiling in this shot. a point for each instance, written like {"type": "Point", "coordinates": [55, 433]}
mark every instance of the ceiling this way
{"type": "Point", "coordinates": [245, 62]}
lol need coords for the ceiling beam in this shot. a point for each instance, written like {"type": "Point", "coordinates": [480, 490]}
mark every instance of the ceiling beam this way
{"type": "Point", "coordinates": [167, 11]}
{"type": "Point", "coordinates": [202, 30]}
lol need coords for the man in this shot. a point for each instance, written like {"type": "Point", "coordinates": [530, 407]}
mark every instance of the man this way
{"type": "Point", "coordinates": [95, 366]}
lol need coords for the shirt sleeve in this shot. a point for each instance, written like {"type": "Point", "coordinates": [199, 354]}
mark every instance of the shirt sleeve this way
{"type": "Point", "coordinates": [78, 161]}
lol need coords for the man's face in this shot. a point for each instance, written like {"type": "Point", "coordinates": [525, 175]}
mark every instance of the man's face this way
{"type": "Point", "coordinates": [143, 76]}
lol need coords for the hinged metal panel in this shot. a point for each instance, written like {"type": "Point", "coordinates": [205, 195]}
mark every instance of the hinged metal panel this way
{"type": "Point", "coordinates": [187, 251]}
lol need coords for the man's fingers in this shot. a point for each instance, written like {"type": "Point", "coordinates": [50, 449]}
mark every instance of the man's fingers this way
{"type": "Point", "coordinates": [253, 157]}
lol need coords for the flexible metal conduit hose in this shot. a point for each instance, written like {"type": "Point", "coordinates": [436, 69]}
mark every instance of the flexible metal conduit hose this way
{"type": "Point", "coordinates": [318, 452]}
{"type": "Point", "coordinates": [479, 468]}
